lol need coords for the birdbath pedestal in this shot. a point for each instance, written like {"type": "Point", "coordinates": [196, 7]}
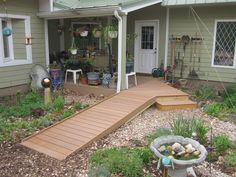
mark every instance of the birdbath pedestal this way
{"type": "Point", "coordinates": [179, 168]}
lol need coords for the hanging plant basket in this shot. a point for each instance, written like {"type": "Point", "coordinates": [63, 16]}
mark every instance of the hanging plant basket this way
{"type": "Point", "coordinates": [84, 33]}
{"type": "Point", "coordinates": [6, 31]}
{"type": "Point", "coordinates": [112, 34]}
{"type": "Point", "coordinates": [97, 34]}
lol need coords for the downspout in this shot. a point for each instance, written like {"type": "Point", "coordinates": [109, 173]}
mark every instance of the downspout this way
{"type": "Point", "coordinates": [119, 49]}
{"type": "Point", "coordinates": [167, 36]}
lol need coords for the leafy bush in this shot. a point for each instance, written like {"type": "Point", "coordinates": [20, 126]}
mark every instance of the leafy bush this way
{"type": "Point", "coordinates": [182, 127]}
{"type": "Point", "coordinates": [125, 161]}
{"type": "Point", "coordinates": [185, 127]}
{"type": "Point", "coordinates": [79, 105]}
{"type": "Point", "coordinates": [201, 131]}
{"type": "Point", "coordinates": [230, 159]}
{"type": "Point", "coordinates": [221, 143]}
{"type": "Point", "coordinates": [99, 171]}
{"type": "Point", "coordinates": [229, 91]}
{"type": "Point", "coordinates": [205, 92]}
{"type": "Point", "coordinates": [230, 101]}
{"type": "Point", "coordinates": [214, 109]}
{"type": "Point", "coordinates": [67, 113]}
{"type": "Point", "coordinates": [158, 133]}
{"type": "Point", "coordinates": [58, 103]}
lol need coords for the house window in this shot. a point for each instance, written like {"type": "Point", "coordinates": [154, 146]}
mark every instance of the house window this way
{"type": "Point", "coordinates": [14, 51]}
{"type": "Point", "coordinates": [224, 54]}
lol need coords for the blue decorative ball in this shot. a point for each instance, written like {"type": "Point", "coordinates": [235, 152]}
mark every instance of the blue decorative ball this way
{"type": "Point", "coordinates": [6, 31]}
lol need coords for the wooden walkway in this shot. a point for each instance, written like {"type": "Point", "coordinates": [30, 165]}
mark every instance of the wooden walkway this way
{"type": "Point", "coordinates": [72, 134]}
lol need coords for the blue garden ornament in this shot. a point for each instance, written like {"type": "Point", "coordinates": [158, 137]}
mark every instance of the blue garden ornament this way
{"type": "Point", "coordinates": [7, 31]}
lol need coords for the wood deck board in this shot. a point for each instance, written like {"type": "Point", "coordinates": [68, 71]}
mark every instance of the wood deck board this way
{"type": "Point", "coordinates": [70, 135]}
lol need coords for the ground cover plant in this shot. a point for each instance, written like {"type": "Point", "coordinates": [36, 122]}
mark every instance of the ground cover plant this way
{"type": "Point", "coordinates": [125, 161]}
{"type": "Point", "coordinates": [221, 105]}
{"type": "Point", "coordinates": [29, 114]}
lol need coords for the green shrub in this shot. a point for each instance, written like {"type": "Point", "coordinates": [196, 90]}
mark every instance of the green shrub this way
{"type": "Point", "coordinates": [229, 91]}
{"type": "Point", "coordinates": [212, 157]}
{"type": "Point", "coordinates": [201, 129]}
{"type": "Point", "coordinates": [214, 109]}
{"type": "Point", "coordinates": [221, 143]}
{"type": "Point", "coordinates": [145, 154]}
{"type": "Point", "coordinates": [230, 159]}
{"type": "Point", "coordinates": [158, 133]}
{"type": "Point", "coordinates": [99, 171]}
{"type": "Point", "coordinates": [182, 127]}
{"type": "Point", "coordinates": [79, 105]}
{"type": "Point", "coordinates": [230, 101]}
{"type": "Point", "coordinates": [205, 92]}
{"type": "Point", "coordinates": [58, 103]}
{"type": "Point", "coordinates": [185, 127]}
{"type": "Point", "coordinates": [67, 113]}
{"type": "Point", "coordinates": [124, 161]}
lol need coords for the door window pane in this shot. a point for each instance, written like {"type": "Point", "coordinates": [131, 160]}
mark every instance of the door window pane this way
{"type": "Point", "coordinates": [147, 39]}
{"type": "Point", "coordinates": [225, 43]}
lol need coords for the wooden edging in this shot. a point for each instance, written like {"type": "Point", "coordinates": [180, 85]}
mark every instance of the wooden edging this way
{"type": "Point", "coordinates": [73, 115]}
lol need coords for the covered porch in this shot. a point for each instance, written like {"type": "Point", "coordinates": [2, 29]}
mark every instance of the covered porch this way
{"type": "Point", "coordinates": [141, 39]}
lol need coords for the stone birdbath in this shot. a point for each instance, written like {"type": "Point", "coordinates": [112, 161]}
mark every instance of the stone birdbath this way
{"type": "Point", "coordinates": [178, 145]}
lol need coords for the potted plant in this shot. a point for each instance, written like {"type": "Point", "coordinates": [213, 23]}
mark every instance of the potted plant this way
{"type": "Point", "coordinates": [129, 57]}
{"type": "Point", "coordinates": [97, 31]}
{"type": "Point", "coordinates": [84, 79]}
{"type": "Point", "coordinates": [55, 69]}
{"type": "Point", "coordinates": [73, 48]}
{"type": "Point", "coordinates": [83, 31]}
{"type": "Point", "coordinates": [110, 31]}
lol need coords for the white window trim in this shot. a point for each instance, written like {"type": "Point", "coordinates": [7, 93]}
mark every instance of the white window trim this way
{"type": "Point", "coordinates": [214, 42]}
{"type": "Point", "coordinates": [12, 61]}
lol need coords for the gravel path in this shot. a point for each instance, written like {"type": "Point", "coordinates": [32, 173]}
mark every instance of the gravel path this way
{"type": "Point", "coordinates": [18, 161]}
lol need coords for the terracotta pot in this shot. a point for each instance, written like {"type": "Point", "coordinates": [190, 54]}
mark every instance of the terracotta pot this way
{"type": "Point", "coordinates": [84, 80]}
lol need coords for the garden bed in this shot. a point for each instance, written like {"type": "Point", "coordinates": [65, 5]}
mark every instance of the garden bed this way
{"type": "Point", "coordinates": [17, 160]}
{"type": "Point", "coordinates": [20, 161]}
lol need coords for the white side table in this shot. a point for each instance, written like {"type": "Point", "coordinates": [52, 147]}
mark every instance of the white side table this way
{"type": "Point", "coordinates": [74, 74]}
{"type": "Point", "coordinates": [127, 79]}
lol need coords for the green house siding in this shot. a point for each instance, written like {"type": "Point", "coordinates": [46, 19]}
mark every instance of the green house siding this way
{"type": "Point", "coordinates": [182, 23]}
{"type": "Point", "coordinates": [18, 75]}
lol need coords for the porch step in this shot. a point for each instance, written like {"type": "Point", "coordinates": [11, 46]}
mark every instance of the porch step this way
{"type": "Point", "coordinates": [173, 98]}
{"type": "Point", "coordinates": [175, 104]}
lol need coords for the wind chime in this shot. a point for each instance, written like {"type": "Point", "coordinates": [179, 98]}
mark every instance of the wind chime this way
{"type": "Point", "coordinates": [6, 31]}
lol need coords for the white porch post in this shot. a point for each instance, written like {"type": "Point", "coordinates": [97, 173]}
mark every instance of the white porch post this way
{"type": "Point", "coordinates": [122, 30]}
{"type": "Point", "coordinates": [46, 42]}
{"type": "Point", "coordinates": [167, 36]}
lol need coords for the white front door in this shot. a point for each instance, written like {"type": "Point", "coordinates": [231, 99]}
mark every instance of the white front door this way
{"type": "Point", "coordinates": [146, 46]}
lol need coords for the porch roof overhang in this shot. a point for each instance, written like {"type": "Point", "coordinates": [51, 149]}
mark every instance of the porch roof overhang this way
{"type": "Point", "coordinates": [82, 12]}
{"type": "Point", "coordinates": [175, 3]}
{"type": "Point", "coordinates": [94, 11]}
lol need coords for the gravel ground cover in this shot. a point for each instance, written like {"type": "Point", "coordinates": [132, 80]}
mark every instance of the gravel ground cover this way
{"type": "Point", "coordinates": [18, 161]}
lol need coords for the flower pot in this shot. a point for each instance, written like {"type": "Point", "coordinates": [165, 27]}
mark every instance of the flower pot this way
{"type": "Point", "coordinates": [84, 80]}
{"type": "Point", "coordinates": [112, 34]}
{"type": "Point", "coordinates": [84, 33]}
{"type": "Point", "coordinates": [129, 67]}
{"type": "Point", "coordinates": [73, 51]}
{"type": "Point", "coordinates": [97, 34]}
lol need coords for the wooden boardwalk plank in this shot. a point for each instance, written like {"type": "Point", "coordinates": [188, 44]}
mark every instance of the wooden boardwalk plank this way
{"type": "Point", "coordinates": [70, 135]}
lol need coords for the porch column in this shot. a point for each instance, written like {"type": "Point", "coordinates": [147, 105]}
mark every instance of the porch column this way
{"type": "Point", "coordinates": [123, 45]}
{"type": "Point", "coordinates": [167, 37]}
{"type": "Point", "coordinates": [122, 27]}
